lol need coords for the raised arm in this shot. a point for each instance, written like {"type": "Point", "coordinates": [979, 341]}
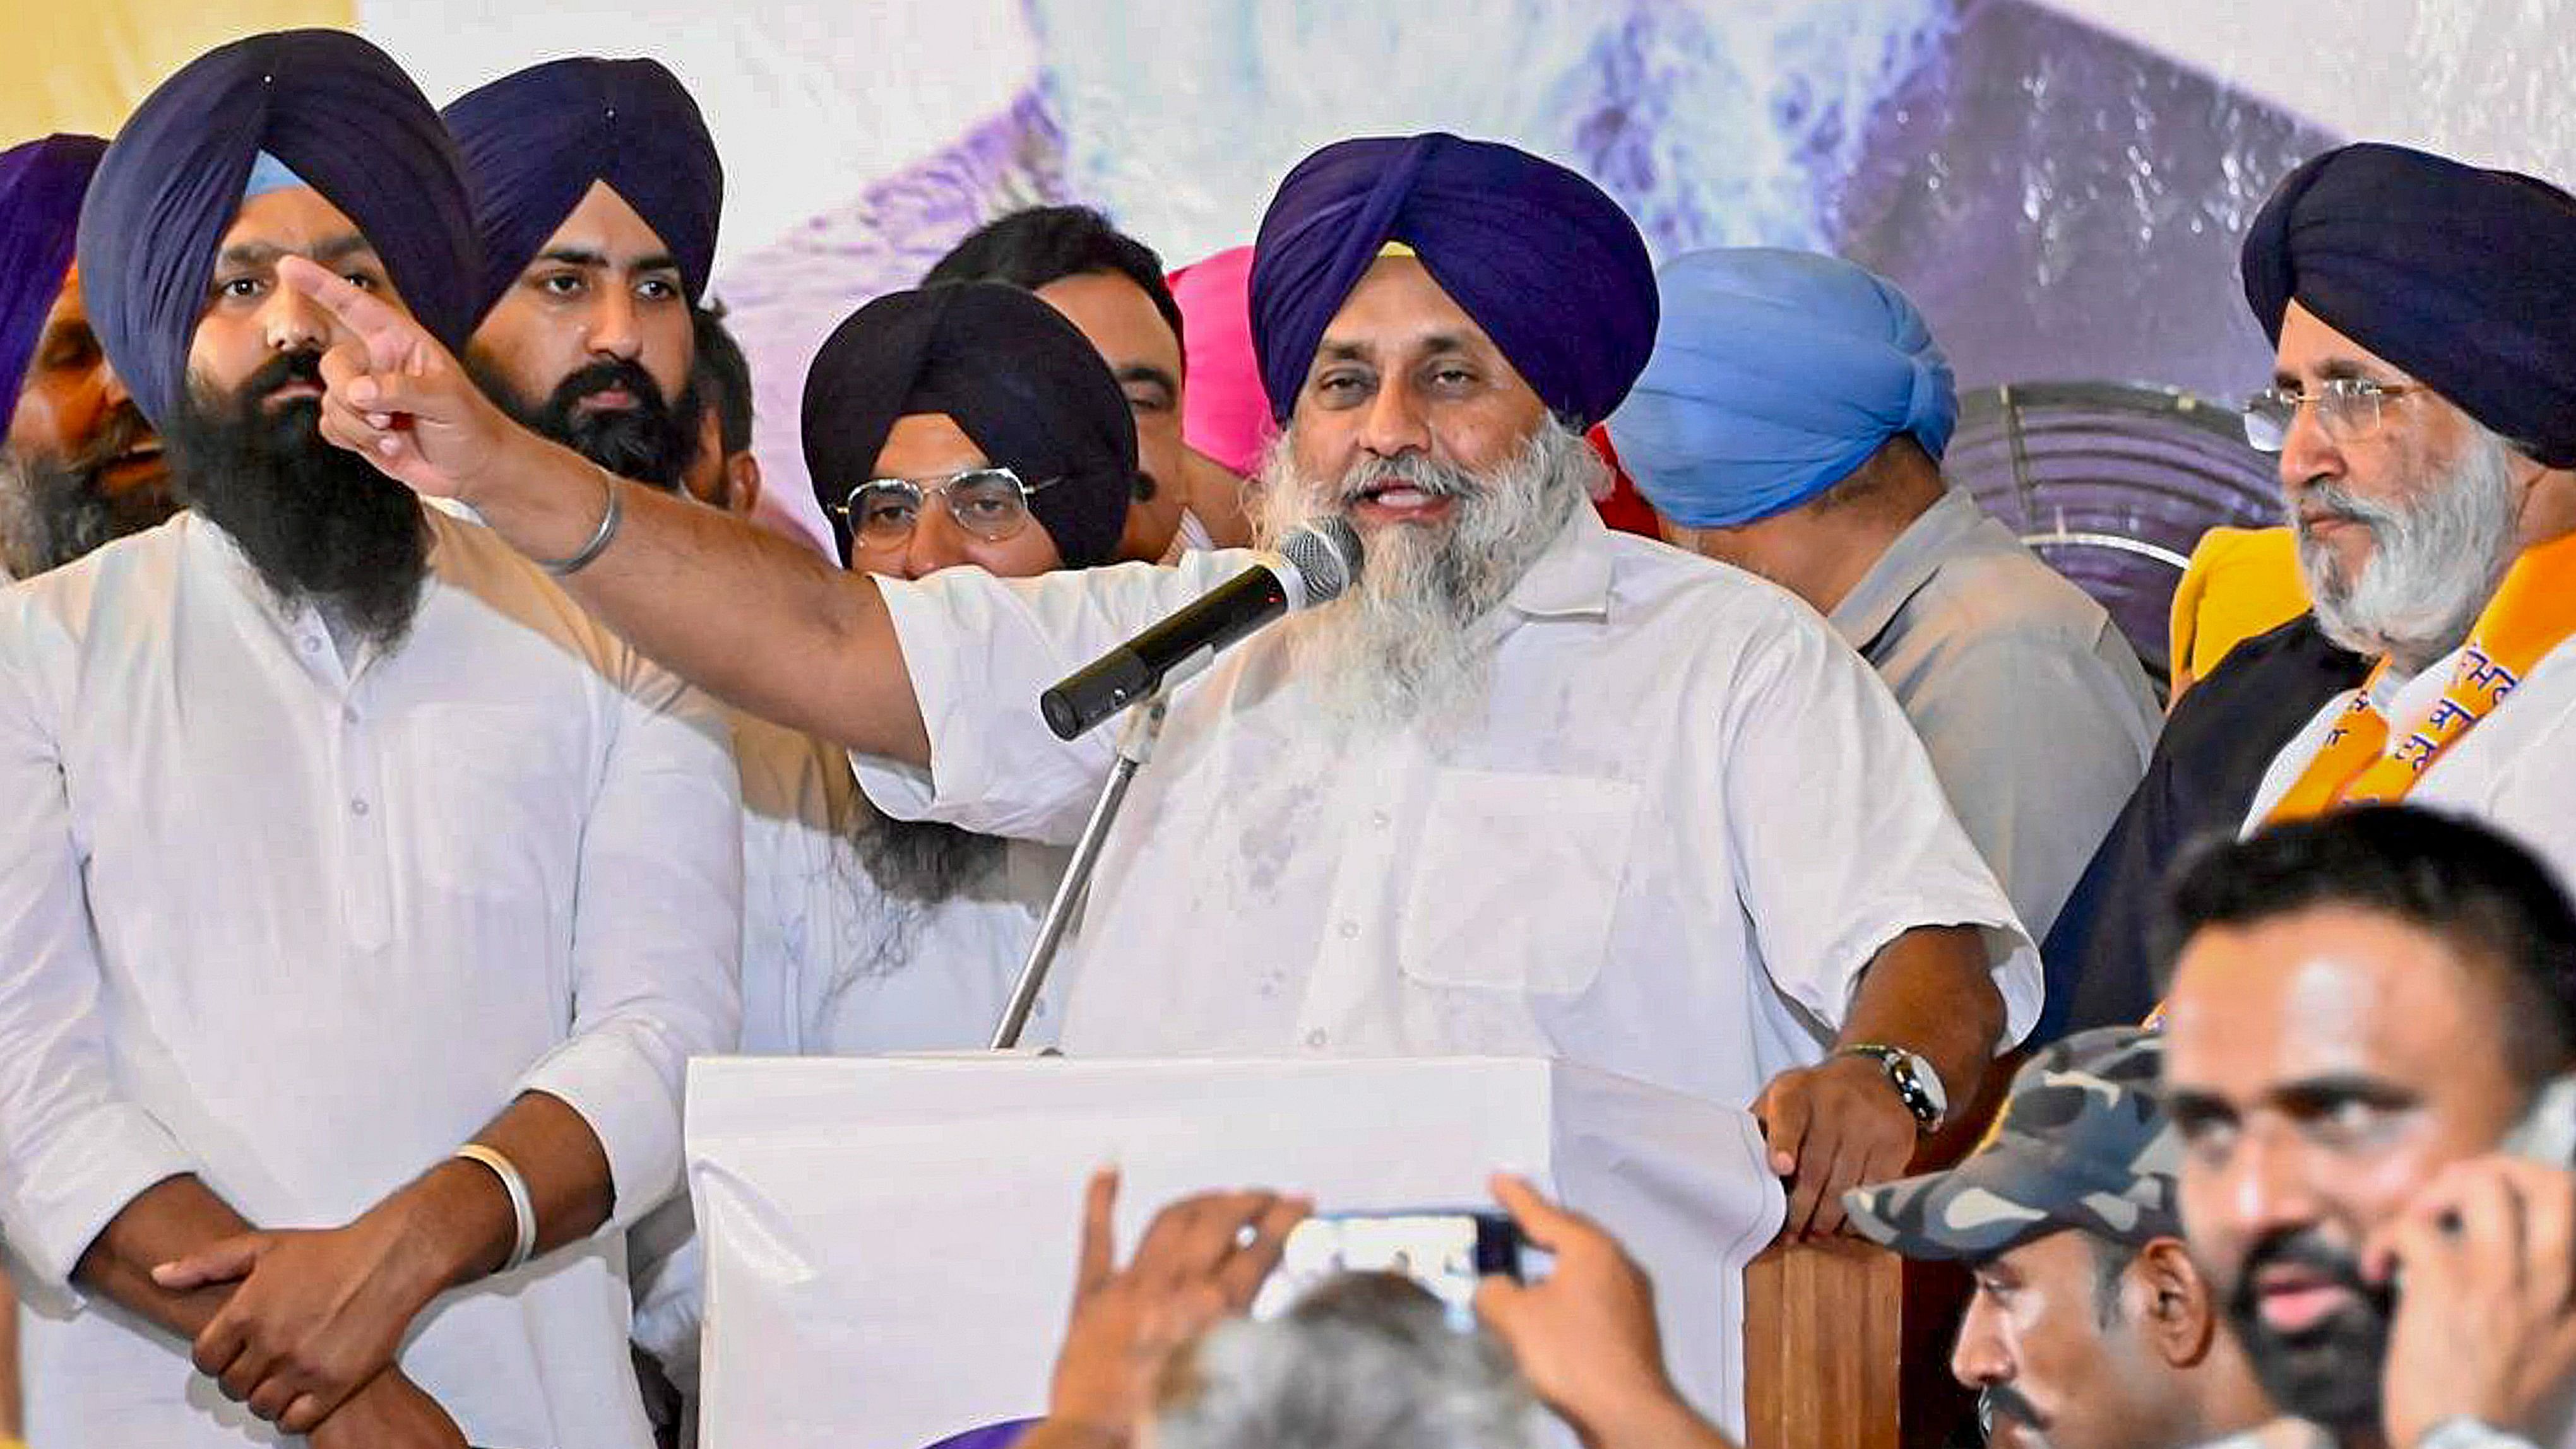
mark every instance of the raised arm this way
{"type": "Point", "coordinates": [750, 617]}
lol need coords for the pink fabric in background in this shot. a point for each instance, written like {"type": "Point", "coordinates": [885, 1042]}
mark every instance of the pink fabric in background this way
{"type": "Point", "coordinates": [1224, 413]}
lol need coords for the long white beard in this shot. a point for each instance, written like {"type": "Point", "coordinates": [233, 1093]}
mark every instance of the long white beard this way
{"type": "Point", "coordinates": [2434, 561]}
{"type": "Point", "coordinates": [1402, 646]}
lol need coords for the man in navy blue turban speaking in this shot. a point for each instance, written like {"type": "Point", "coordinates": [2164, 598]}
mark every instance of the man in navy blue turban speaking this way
{"type": "Point", "coordinates": [1529, 788]}
{"type": "Point", "coordinates": [362, 899]}
{"type": "Point", "coordinates": [596, 190]}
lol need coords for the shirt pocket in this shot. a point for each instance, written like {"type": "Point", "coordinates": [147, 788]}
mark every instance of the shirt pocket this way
{"type": "Point", "coordinates": [1516, 881]}
{"type": "Point", "coordinates": [498, 803]}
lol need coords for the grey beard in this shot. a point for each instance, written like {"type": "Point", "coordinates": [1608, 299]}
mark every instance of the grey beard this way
{"type": "Point", "coordinates": [2435, 560]}
{"type": "Point", "coordinates": [1402, 648]}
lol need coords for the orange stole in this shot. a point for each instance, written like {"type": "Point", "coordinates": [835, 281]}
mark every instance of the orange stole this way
{"type": "Point", "coordinates": [2532, 613]}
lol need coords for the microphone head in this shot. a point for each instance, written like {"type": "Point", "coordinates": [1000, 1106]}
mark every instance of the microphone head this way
{"type": "Point", "coordinates": [1325, 555]}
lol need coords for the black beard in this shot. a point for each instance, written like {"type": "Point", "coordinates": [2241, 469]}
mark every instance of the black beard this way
{"type": "Point", "coordinates": [2328, 1375]}
{"type": "Point", "coordinates": [53, 510]}
{"type": "Point", "coordinates": [652, 442]}
{"type": "Point", "coordinates": [923, 862]}
{"type": "Point", "coordinates": [318, 522]}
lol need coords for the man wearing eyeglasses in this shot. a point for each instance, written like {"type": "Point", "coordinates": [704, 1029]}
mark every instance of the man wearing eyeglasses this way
{"type": "Point", "coordinates": [2424, 408]}
{"type": "Point", "coordinates": [1530, 789]}
{"type": "Point", "coordinates": [967, 425]}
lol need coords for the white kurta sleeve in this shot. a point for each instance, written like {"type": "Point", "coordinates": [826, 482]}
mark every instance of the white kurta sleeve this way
{"type": "Point", "coordinates": [73, 1151]}
{"type": "Point", "coordinates": [657, 934]}
{"type": "Point", "coordinates": [980, 651]}
{"type": "Point", "coordinates": [1843, 838]}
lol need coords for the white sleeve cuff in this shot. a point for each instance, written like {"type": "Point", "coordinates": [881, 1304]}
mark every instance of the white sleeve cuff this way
{"type": "Point", "coordinates": [67, 1192]}
{"type": "Point", "coordinates": [614, 1082]}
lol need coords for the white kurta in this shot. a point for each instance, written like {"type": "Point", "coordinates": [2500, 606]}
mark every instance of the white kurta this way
{"type": "Point", "coordinates": [2510, 770]}
{"type": "Point", "coordinates": [302, 929]}
{"type": "Point", "coordinates": [831, 966]}
{"type": "Point", "coordinates": [1689, 818]}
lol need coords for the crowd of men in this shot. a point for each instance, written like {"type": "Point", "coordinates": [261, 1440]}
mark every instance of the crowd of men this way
{"type": "Point", "coordinates": [416, 755]}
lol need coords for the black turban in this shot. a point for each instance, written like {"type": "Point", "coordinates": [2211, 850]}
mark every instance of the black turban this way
{"type": "Point", "coordinates": [2464, 278]}
{"type": "Point", "coordinates": [41, 185]}
{"type": "Point", "coordinates": [338, 113]}
{"type": "Point", "coordinates": [1017, 378]}
{"type": "Point", "coordinates": [534, 143]}
{"type": "Point", "coordinates": [1546, 263]}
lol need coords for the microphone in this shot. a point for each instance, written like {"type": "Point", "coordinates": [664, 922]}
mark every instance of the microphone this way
{"type": "Point", "coordinates": [1314, 565]}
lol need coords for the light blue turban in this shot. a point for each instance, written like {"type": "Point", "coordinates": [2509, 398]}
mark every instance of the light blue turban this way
{"type": "Point", "coordinates": [1775, 375]}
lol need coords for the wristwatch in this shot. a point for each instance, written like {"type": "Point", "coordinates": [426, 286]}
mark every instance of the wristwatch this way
{"type": "Point", "coordinates": [1916, 1080]}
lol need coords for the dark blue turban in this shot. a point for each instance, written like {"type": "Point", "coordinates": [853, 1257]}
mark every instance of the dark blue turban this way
{"type": "Point", "coordinates": [1546, 263]}
{"type": "Point", "coordinates": [339, 114]}
{"type": "Point", "coordinates": [1016, 377]}
{"type": "Point", "coordinates": [2464, 278]}
{"type": "Point", "coordinates": [41, 184]}
{"type": "Point", "coordinates": [534, 143]}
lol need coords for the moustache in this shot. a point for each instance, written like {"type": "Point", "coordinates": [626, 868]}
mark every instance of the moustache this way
{"type": "Point", "coordinates": [616, 373]}
{"type": "Point", "coordinates": [283, 370]}
{"type": "Point", "coordinates": [125, 432]}
{"type": "Point", "coordinates": [2304, 1249]}
{"type": "Point", "coordinates": [1435, 480]}
{"type": "Point", "coordinates": [2003, 1401]}
{"type": "Point", "coordinates": [2321, 502]}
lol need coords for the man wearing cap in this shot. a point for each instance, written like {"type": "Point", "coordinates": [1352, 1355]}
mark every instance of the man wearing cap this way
{"type": "Point", "coordinates": [1791, 422]}
{"type": "Point", "coordinates": [362, 897]}
{"type": "Point", "coordinates": [596, 193]}
{"type": "Point", "coordinates": [2090, 1326]}
{"type": "Point", "coordinates": [1530, 788]}
{"type": "Point", "coordinates": [2424, 406]}
{"type": "Point", "coordinates": [79, 465]}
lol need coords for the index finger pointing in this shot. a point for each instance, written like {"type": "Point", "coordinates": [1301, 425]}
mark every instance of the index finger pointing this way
{"type": "Point", "coordinates": [386, 331]}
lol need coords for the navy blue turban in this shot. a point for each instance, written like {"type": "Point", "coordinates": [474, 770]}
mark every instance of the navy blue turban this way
{"type": "Point", "coordinates": [334, 110]}
{"type": "Point", "coordinates": [1777, 375]}
{"type": "Point", "coordinates": [1016, 377]}
{"type": "Point", "coordinates": [41, 185]}
{"type": "Point", "coordinates": [1546, 263]}
{"type": "Point", "coordinates": [535, 142]}
{"type": "Point", "coordinates": [2459, 276]}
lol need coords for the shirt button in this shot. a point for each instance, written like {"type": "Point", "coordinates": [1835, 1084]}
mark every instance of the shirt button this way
{"type": "Point", "coordinates": [1316, 1039]}
{"type": "Point", "coordinates": [1380, 819]}
{"type": "Point", "coordinates": [1350, 929]}
{"type": "Point", "coordinates": [349, 714]}
{"type": "Point", "coordinates": [310, 644]}
{"type": "Point", "coordinates": [357, 807]}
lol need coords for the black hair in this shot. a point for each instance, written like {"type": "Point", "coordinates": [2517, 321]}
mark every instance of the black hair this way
{"type": "Point", "coordinates": [1041, 244]}
{"type": "Point", "coordinates": [2494, 903]}
{"type": "Point", "coordinates": [724, 376]}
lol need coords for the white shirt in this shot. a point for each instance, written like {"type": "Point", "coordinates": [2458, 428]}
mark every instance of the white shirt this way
{"type": "Point", "coordinates": [1689, 819]}
{"type": "Point", "coordinates": [301, 930]}
{"type": "Point", "coordinates": [832, 966]}
{"type": "Point", "coordinates": [2510, 770]}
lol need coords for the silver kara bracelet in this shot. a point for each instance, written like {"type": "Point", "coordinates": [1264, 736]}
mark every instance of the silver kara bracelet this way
{"type": "Point", "coordinates": [609, 518]}
{"type": "Point", "coordinates": [522, 1207]}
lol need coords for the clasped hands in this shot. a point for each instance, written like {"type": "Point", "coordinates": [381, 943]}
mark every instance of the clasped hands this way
{"type": "Point", "coordinates": [313, 1324]}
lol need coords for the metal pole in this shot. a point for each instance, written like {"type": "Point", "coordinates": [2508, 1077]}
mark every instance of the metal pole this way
{"type": "Point", "coordinates": [1135, 747]}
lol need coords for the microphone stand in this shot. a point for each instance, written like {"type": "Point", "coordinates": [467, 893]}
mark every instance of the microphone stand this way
{"type": "Point", "coordinates": [1136, 743]}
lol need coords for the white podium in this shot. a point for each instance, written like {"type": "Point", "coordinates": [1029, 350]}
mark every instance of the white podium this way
{"type": "Point", "coordinates": [890, 1242]}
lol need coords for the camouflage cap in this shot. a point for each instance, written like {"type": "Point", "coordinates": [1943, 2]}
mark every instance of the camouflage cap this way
{"type": "Point", "coordinates": [2083, 1143]}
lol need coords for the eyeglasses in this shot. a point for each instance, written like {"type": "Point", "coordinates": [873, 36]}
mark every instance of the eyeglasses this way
{"type": "Point", "coordinates": [990, 503]}
{"type": "Point", "coordinates": [2348, 408]}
